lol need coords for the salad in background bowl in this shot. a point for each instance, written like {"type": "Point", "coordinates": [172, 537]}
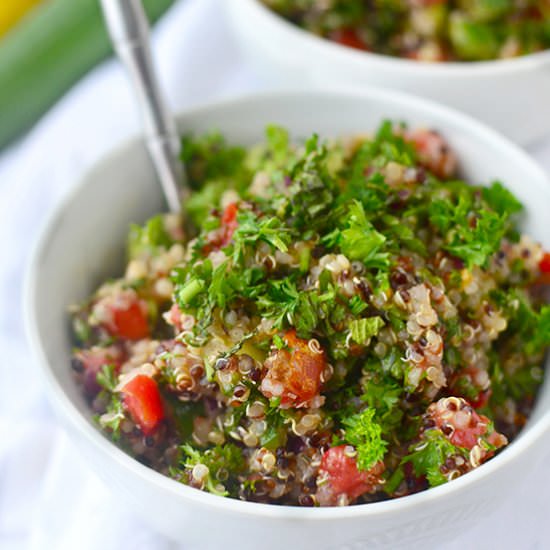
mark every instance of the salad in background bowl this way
{"type": "Point", "coordinates": [427, 30]}
{"type": "Point", "coordinates": [481, 58]}
{"type": "Point", "coordinates": [78, 252]}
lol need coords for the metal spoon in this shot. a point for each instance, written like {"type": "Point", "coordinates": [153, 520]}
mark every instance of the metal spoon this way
{"type": "Point", "coordinates": [129, 31]}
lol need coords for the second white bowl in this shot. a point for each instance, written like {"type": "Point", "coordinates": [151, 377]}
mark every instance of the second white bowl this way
{"type": "Point", "coordinates": [512, 96]}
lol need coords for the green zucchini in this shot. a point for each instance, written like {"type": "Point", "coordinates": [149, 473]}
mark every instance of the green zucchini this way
{"type": "Point", "coordinates": [47, 53]}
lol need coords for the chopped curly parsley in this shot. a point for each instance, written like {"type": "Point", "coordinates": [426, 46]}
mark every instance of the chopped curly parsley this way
{"type": "Point", "coordinates": [365, 434]}
{"type": "Point", "coordinates": [428, 456]}
{"type": "Point", "coordinates": [339, 320]}
{"type": "Point", "coordinates": [216, 463]}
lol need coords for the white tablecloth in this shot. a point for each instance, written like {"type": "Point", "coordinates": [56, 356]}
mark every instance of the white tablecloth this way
{"type": "Point", "coordinates": [49, 499]}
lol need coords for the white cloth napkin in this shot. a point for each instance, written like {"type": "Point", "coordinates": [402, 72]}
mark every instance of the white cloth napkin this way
{"type": "Point", "coordinates": [49, 499]}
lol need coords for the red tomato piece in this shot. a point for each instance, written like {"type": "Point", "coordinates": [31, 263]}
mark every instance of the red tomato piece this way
{"type": "Point", "coordinates": [229, 215]}
{"type": "Point", "coordinates": [467, 437]}
{"type": "Point", "coordinates": [433, 152]}
{"type": "Point", "coordinates": [220, 237]}
{"type": "Point", "coordinates": [142, 398]}
{"type": "Point", "coordinates": [294, 372]}
{"type": "Point", "coordinates": [482, 399]}
{"type": "Point", "coordinates": [173, 317]}
{"type": "Point", "coordinates": [456, 418]}
{"type": "Point", "coordinates": [229, 223]}
{"type": "Point", "coordinates": [348, 37]}
{"type": "Point", "coordinates": [544, 264]}
{"type": "Point", "coordinates": [129, 320]}
{"type": "Point", "coordinates": [343, 475]}
{"type": "Point", "coordinates": [474, 380]}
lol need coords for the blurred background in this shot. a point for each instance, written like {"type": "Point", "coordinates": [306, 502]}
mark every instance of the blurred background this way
{"type": "Point", "coordinates": [64, 102]}
{"type": "Point", "coordinates": [46, 46]}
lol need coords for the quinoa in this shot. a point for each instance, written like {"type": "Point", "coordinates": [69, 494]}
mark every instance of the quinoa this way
{"type": "Point", "coordinates": [339, 322]}
{"type": "Point", "coordinates": [426, 30]}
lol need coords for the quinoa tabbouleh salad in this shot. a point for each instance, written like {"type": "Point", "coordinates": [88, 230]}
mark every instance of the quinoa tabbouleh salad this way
{"type": "Point", "coordinates": [427, 30]}
{"type": "Point", "coordinates": [347, 322]}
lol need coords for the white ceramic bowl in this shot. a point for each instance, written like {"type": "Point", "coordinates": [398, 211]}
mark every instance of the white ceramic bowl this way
{"type": "Point", "coordinates": [512, 95]}
{"type": "Point", "coordinates": [83, 244]}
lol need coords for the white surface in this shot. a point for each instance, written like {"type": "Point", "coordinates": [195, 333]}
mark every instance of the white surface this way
{"type": "Point", "coordinates": [510, 95]}
{"type": "Point", "coordinates": [48, 499]}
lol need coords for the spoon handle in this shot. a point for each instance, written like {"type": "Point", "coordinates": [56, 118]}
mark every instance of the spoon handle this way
{"type": "Point", "coordinates": [129, 31]}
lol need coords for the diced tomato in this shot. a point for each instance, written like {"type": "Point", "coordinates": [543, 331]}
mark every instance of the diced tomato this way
{"type": "Point", "coordinates": [544, 264]}
{"type": "Point", "coordinates": [220, 237]}
{"type": "Point", "coordinates": [143, 401]}
{"type": "Point", "coordinates": [90, 361]}
{"type": "Point", "coordinates": [229, 223]}
{"type": "Point", "coordinates": [458, 416]}
{"type": "Point", "coordinates": [129, 320]}
{"type": "Point", "coordinates": [229, 215]}
{"type": "Point", "coordinates": [482, 399]}
{"type": "Point", "coordinates": [173, 317]}
{"type": "Point", "coordinates": [496, 439]}
{"type": "Point", "coordinates": [294, 372]}
{"type": "Point", "coordinates": [348, 37]}
{"type": "Point", "coordinates": [343, 475]}
{"type": "Point", "coordinates": [472, 381]}
{"type": "Point", "coordinates": [467, 437]}
{"type": "Point", "coordinates": [433, 152]}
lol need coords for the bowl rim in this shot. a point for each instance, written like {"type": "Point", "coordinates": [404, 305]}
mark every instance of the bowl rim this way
{"type": "Point", "coordinates": [77, 421]}
{"type": "Point", "coordinates": [447, 69]}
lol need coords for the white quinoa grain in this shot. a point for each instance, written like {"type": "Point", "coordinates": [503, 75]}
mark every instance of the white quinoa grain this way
{"type": "Point", "coordinates": [163, 287]}
{"type": "Point", "coordinates": [315, 346]}
{"type": "Point", "coordinates": [255, 410]}
{"type": "Point", "coordinates": [137, 269]}
{"type": "Point", "coordinates": [268, 462]}
{"type": "Point", "coordinates": [250, 440]}
{"type": "Point", "coordinates": [176, 253]}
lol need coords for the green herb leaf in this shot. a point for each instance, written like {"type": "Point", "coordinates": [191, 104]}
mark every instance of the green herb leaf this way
{"type": "Point", "coordinates": [360, 240]}
{"type": "Point", "coordinates": [113, 417]}
{"type": "Point", "coordinates": [430, 454]}
{"type": "Point", "coordinates": [312, 192]}
{"type": "Point", "coordinates": [542, 334]}
{"type": "Point", "coordinates": [501, 200]}
{"type": "Point", "coordinates": [227, 457]}
{"type": "Point", "coordinates": [107, 378]}
{"type": "Point", "coordinates": [148, 237]}
{"type": "Point", "coordinates": [471, 233]}
{"type": "Point", "coordinates": [362, 330]}
{"type": "Point", "coordinates": [365, 435]}
{"type": "Point", "coordinates": [252, 229]}
{"type": "Point", "coordinates": [278, 142]}
{"type": "Point", "coordinates": [382, 394]}
{"type": "Point", "coordinates": [357, 305]}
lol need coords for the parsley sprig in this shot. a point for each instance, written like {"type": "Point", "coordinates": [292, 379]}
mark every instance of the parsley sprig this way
{"type": "Point", "coordinates": [365, 434]}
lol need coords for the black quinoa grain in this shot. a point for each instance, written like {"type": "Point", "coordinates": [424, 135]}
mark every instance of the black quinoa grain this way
{"type": "Point", "coordinates": [77, 365]}
{"type": "Point", "coordinates": [255, 374]}
{"type": "Point", "coordinates": [306, 500]}
{"type": "Point", "coordinates": [318, 251]}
